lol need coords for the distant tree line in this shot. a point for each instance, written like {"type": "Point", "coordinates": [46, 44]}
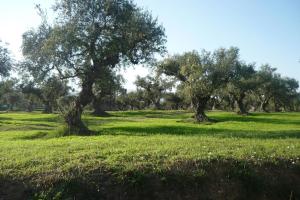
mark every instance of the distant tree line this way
{"type": "Point", "coordinates": [206, 81]}
{"type": "Point", "coordinates": [90, 40]}
{"type": "Point", "coordinates": [213, 81]}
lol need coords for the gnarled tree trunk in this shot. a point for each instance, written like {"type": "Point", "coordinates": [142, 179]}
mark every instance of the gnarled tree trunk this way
{"type": "Point", "coordinates": [231, 103]}
{"type": "Point", "coordinates": [98, 108]}
{"type": "Point", "coordinates": [199, 105]}
{"type": "Point", "coordinates": [48, 108]}
{"type": "Point", "coordinates": [156, 104]}
{"type": "Point", "coordinates": [72, 118]}
{"type": "Point", "coordinates": [11, 107]}
{"type": "Point", "coordinates": [276, 106]}
{"type": "Point", "coordinates": [30, 106]}
{"type": "Point", "coordinates": [263, 105]}
{"type": "Point", "coordinates": [240, 102]}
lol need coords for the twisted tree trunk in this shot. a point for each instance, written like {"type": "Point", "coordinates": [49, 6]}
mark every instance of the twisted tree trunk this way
{"type": "Point", "coordinates": [200, 104]}
{"type": "Point", "coordinates": [11, 107]}
{"type": "Point", "coordinates": [231, 103]}
{"type": "Point", "coordinates": [157, 105]}
{"type": "Point", "coordinates": [276, 106]}
{"type": "Point", "coordinates": [48, 108]}
{"type": "Point", "coordinates": [72, 118]}
{"type": "Point", "coordinates": [98, 108]}
{"type": "Point", "coordinates": [263, 105]}
{"type": "Point", "coordinates": [30, 106]}
{"type": "Point", "coordinates": [240, 102]}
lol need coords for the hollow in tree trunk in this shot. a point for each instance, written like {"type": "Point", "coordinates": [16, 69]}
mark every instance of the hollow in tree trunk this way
{"type": "Point", "coordinates": [200, 104]}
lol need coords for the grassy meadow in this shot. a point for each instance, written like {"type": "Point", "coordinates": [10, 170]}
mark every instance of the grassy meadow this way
{"type": "Point", "coordinates": [151, 155]}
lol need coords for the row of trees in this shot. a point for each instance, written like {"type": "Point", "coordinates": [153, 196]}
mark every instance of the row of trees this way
{"type": "Point", "coordinates": [263, 90]}
{"type": "Point", "coordinates": [19, 95]}
{"type": "Point", "coordinates": [222, 76]}
{"type": "Point", "coordinates": [90, 40]}
{"type": "Point", "coordinates": [218, 80]}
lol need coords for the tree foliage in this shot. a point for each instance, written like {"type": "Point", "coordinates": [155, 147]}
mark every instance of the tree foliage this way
{"type": "Point", "coordinates": [242, 83]}
{"type": "Point", "coordinates": [153, 89]}
{"type": "Point", "coordinates": [87, 38]}
{"type": "Point", "coordinates": [9, 93]}
{"type": "Point", "coordinates": [5, 60]}
{"type": "Point", "coordinates": [105, 91]}
{"type": "Point", "coordinates": [201, 74]}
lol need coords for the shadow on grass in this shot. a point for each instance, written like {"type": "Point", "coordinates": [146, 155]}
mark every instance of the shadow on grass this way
{"type": "Point", "coordinates": [202, 131]}
{"type": "Point", "coordinates": [43, 119]}
{"type": "Point", "coordinates": [95, 121]}
{"type": "Point", "coordinates": [41, 127]}
{"type": "Point", "coordinates": [39, 135]}
{"type": "Point", "coordinates": [255, 118]}
{"type": "Point", "coordinates": [8, 120]}
{"type": "Point", "coordinates": [5, 118]}
{"type": "Point", "coordinates": [176, 129]}
{"type": "Point", "coordinates": [227, 117]}
{"type": "Point", "coordinates": [151, 114]}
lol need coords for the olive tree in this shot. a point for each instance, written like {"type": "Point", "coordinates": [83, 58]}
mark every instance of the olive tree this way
{"type": "Point", "coordinates": [5, 60]}
{"type": "Point", "coordinates": [286, 91]}
{"type": "Point", "coordinates": [51, 90]}
{"type": "Point", "coordinates": [105, 91]}
{"type": "Point", "coordinates": [48, 91]}
{"type": "Point", "coordinates": [153, 89]}
{"type": "Point", "coordinates": [5, 67]}
{"type": "Point", "coordinates": [201, 74]}
{"type": "Point", "coordinates": [9, 93]}
{"type": "Point", "coordinates": [132, 100]}
{"type": "Point", "coordinates": [243, 82]}
{"type": "Point", "coordinates": [86, 38]}
{"type": "Point", "coordinates": [267, 81]}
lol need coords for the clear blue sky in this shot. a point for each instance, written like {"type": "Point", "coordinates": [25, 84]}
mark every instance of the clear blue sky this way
{"type": "Point", "coordinates": [266, 31]}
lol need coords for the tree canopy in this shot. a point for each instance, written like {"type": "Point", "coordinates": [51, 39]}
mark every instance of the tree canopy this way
{"type": "Point", "coordinates": [243, 82]}
{"type": "Point", "coordinates": [201, 74]}
{"type": "Point", "coordinates": [87, 42]}
{"type": "Point", "coordinates": [87, 37]}
{"type": "Point", "coordinates": [153, 89]}
{"type": "Point", "coordinates": [5, 60]}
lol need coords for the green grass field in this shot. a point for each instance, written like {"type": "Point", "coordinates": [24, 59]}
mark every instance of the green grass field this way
{"type": "Point", "coordinates": [133, 154]}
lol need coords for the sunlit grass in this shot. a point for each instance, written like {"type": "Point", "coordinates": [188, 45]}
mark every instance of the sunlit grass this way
{"type": "Point", "coordinates": [30, 144]}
